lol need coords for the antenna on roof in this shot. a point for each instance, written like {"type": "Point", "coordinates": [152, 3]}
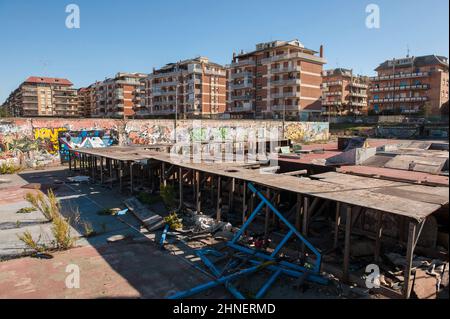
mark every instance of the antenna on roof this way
{"type": "Point", "coordinates": [407, 50]}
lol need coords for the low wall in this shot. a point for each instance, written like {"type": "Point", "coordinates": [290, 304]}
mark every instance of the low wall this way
{"type": "Point", "coordinates": [36, 141]}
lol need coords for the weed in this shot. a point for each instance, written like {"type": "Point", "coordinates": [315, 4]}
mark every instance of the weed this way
{"type": "Point", "coordinates": [167, 194]}
{"type": "Point", "coordinates": [18, 224]}
{"type": "Point", "coordinates": [49, 206]}
{"type": "Point", "coordinates": [61, 233]}
{"type": "Point", "coordinates": [148, 199]}
{"type": "Point", "coordinates": [28, 240]}
{"type": "Point", "coordinates": [173, 221]}
{"type": "Point", "coordinates": [9, 168]}
{"type": "Point", "coordinates": [88, 229]}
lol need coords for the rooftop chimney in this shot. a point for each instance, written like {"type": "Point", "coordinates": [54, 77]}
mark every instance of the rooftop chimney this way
{"type": "Point", "coordinates": [321, 51]}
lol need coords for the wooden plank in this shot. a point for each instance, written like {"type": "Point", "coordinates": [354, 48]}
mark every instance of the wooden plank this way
{"type": "Point", "coordinates": [348, 230]}
{"type": "Point", "coordinates": [409, 260]}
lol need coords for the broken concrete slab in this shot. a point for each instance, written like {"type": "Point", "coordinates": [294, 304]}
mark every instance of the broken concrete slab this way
{"type": "Point", "coordinates": [149, 219]}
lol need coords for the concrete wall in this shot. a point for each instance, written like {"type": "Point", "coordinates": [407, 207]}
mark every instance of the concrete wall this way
{"type": "Point", "coordinates": [34, 141]}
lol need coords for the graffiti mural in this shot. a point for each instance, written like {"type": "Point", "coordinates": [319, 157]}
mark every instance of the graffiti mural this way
{"type": "Point", "coordinates": [49, 136]}
{"type": "Point", "coordinates": [307, 131]}
{"type": "Point", "coordinates": [70, 140]}
{"type": "Point", "coordinates": [37, 141]}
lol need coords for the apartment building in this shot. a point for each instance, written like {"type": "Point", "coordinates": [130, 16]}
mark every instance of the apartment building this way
{"type": "Point", "coordinates": [43, 96]}
{"type": "Point", "coordinates": [279, 79]}
{"type": "Point", "coordinates": [86, 101]}
{"type": "Point", "coordinates": [411, 85]}
{"type": "Point", "coordinates": [118, 97]}
{"type": "Point", "coordinates": [191, 88]}
{"type": "Point", "coordinates": [344, 93]}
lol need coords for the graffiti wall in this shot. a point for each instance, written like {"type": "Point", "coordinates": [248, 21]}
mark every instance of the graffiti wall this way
{"type": "Point", "coordinates": [37, 142]}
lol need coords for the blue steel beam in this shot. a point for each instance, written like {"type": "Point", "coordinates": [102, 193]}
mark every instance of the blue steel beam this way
{"type": "Point", "coordinates": [214, 283]}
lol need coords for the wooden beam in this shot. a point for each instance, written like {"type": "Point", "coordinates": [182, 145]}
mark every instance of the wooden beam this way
{"type": "Point", "coordinates": [266, 221]}
{"type": "Point", "coordinates": [305, 221]}
{"type": "Point", "coordinates": [409, 260]}
{"type": "Point", "coordinates": [296, 173]}
{"type": "Point", "coordinates": [379, 229]}
{"type": "Point", "coordinates": [348, 230]}
{"type": "Point", "coordinates": [198, 198]}
{"type": "Point", "coordinates": [298, 214]}
{"type": "Point", "coordinates": [244, 202]}
{"type": "Point", "coordinates": [180, 185]}
{"type": "Point", "coordinates": [219, 199]}
{"type": "Point", "coordinates": [337, 224]}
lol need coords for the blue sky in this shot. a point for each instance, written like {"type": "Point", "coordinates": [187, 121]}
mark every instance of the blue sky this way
{"type": "Point", "coordinates": [137, 35]}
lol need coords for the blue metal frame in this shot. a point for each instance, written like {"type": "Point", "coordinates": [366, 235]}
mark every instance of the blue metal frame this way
{"type": "Point", "coordinates": [260, 260]}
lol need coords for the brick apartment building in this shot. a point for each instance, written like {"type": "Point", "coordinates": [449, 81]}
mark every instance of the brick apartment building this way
{"type": "Point", "coordinates": [344, 93]}
{"type": "Point", "coordinates": [278, 78]}
{"type": "Point", "coordinates": [411, 85]}
{"type": "Point", "coordinates": [43, 96]}
{"type": "Point", "coordinates": [86, 105]}
{"type": "Point", "coordinates": [118, 97]}
{"type": "Point", "coordinates": [192, 88]}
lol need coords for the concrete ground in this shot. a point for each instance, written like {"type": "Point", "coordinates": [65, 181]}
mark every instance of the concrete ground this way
{"type": "Point", "coordinates": [81, 199]}
{"type": "Point", "coordinates": [131, 268]}
{"type": "Point", "coordinates": [119, 270]}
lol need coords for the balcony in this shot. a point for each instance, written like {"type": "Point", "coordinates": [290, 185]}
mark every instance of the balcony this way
{"type": "Point", "coordinates": [363, 104]}
{"type": "Point", "coordinates": [400, 99]}
{"type": "Point", "coordinates": [330, 84]}
{"type": "Point", "coordinates": [216, 72]}
{"type": "Point", "coordinates": [400, 88]}
{"type": "Point", "coordinates": [241, 85]}
{"type": "Point", "coordinates": [400, 76]}
{"type": "Point", "coordinates": [242, 97]}
{"type": "Point", "coordinates": [294, 68]}
{"type": "Point", "coordinates": [331, 102]}
{"type": "Point", "coordinates": [285, 95]}
{"type": "Point", "coordinates": [244, 74]}
{"type": "Point", "coordinates": [286, 82]}
{"type": "Point", "coordinates": [285, 107]}
{"type": "Point", "coordinates": [168, 83]}
{"type": "Point", "coordinates": [358, 94]}
{"type": "Point", "coordinates": [359, 85]}
{"type": "Point", "coordinates": [243, 63]}
{"type": "Point", "coordinates": [335, 93]}
{"type": "Point", "coordinates": [247, 107]}
{"type": "Point", "coordinates": [296, 55]}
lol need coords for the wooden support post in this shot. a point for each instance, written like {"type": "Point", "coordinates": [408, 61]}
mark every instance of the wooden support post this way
{"type": "Point", "coordinates": [337, 224]}
{"type": "Point", "coordinates": [180, 185]}
{"type": "Point", "coordinates": [348, 230]}
{"type": "Point", "coordinates": [378, 236]}
{"type": "Point", "coordinates": [219, 198]}
{"type": "Point", "coordinates": [131, 177]}
{"type": "Point", "coordinates": [298, 214]}
{"type": "Point", "coordinates": [409, 259]}
{"type": "Point", "coordinates": [70, 160]}
{"type": "Point", "coordinates": [306, 211]}
{"type": "Point", "coordinates": [198, 192]}
{"type": "Point", "coordinates": [267, 217]}
{"type": "Point", "coordinates": [163, 174]}
{"type": "Point", "coordinates": [101, 170]}
{"type": "Point", "coordinates": [244, 202]}
{"type": "Point", "coordinates": [74, 162]}
{"type": "Point", "coordinates": [231, 195]}
{"type": "Point", "coordinates": [120, 175]}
